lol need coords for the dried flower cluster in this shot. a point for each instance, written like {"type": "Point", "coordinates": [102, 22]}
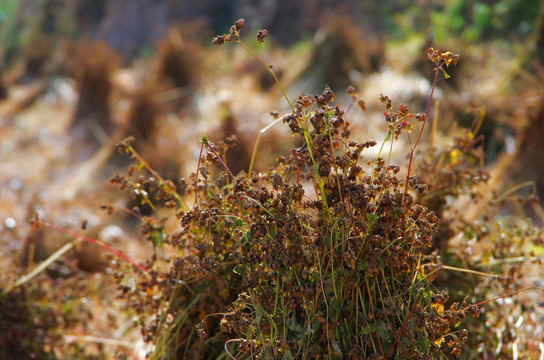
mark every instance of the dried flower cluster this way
{"type": "Point", "coordinates": [263, 270]}
{"type": "Point", "coordinates": [259, 261]}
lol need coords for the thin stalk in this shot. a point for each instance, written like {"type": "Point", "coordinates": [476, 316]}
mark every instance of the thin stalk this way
{"type": "Point", "coordinates": [404, 325]}
{"type": "Point", "coordinates": [97, 340]}
{"type": "Point", "coordinates": [332, 267]}
{"type": "Point", "coordinates": [515, 188]}
{"type": "Point", "coordinates": [336, 168]}
{"type": "Point", "coordinates": [468, 271]}
{"type": "Point", "coordinates": [372, 311]}
{"type": "Point", "coordinates": [277, 295]}
{"type": "Point", "coordinates": [269, 67]}
{"type": "Point", "coordinates": [390, 151]}
{"type": "Point", "coordinates": [316, 169]}
{"type": "Point", "coordinates": [357, 315]}
{"type": "Point", "coordinates": [98, 242]}
{"type": "Point", "coordinates": [253, 154]}
{"type": "Point", "coordinates": [256, 146]}
{"type": "Point", "coordinates": [360, 296]}
{"type": "Point", "coordinates": [503, 296]}
{"type": "Point", "coordinates": [207, 142]}
{"type": "Point", "coordinates": [144, 197]}
{"type": "Point", "coordinates": [258, 204]}
{"type": "Point", "coordinates": [178, 197]}
{"type": "Point", "coordinates": [38, 269]}
{"type": "Point", "coordinates": [389, 134]}
{"type": "Point", "coordinates": [413, 149]}
{"type": "Point", "coordinates": [196, 173]}
{"type": "Point", "coordinates": [227, 349]}
{"type": "Point", "coordinates": [326, 304]}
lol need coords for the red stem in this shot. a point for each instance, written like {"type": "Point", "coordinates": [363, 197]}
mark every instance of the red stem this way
{"type": "Point", "coordinates": [141, 160]}
{"type": "Point", "coordinates": [196, 173]}
{"type": "Point", "coordinates": [500, 297]}
{"type": "Point", "coordinates": [219, 158]}
{"type": "Point", "coordinates": [413, 149]}
{"type": "Point", "coordinates": [131, 212]}
{"type": "Point", "coordinates": [372, 310]}
{"type": "Point", "coordinates": [98, 242]}
{"type": "Point", "coordinates": [403, 327]}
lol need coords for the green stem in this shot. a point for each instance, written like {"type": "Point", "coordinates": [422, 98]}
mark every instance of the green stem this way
{"type": "Point", "coordinates": [253, 154]}
{"type": "Point", "coordinates": [174, 193]}
{"type": "Point", "coordinates": [269, 67]}
{"type": "Point", "coordinates": [316, 170]}
{"type": "Point", "coordinates": [389, 134]}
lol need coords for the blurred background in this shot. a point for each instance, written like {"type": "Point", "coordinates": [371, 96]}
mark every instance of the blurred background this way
{"type": "Point", "coordinates": [76, 76]}
{"type": "Point", "coordinates": [133, 28]}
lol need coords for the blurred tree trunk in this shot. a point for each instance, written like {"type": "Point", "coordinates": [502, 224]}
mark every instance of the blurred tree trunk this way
{"type": "Point", "coordinates": [129, 24]}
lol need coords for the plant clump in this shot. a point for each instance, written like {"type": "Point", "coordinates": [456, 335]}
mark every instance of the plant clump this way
{"type": "Point", "coordinates": [319, 257]}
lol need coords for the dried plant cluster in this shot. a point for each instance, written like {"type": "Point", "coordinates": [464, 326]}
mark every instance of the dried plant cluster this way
{"type": "Point", "coordinates": [261, 269]}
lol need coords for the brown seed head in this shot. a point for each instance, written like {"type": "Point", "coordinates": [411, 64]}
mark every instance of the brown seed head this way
{"type": "Point", "coordinates": [261, 34]}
